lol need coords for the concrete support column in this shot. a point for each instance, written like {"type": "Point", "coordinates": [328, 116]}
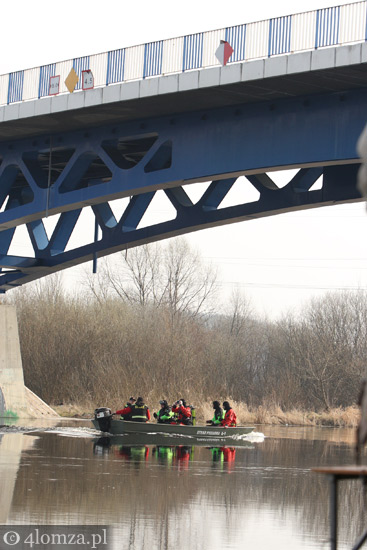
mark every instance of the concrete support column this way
{"type": "Point", "coordinates": [12, 390]}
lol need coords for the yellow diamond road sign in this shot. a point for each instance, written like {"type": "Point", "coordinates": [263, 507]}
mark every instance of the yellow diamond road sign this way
{"type": "Point", "coordinates": [71, 80]}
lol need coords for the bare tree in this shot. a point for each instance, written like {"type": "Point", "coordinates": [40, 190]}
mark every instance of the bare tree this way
{"type": "Point", "coordinates": [49, 289]}
{"type": "Point", "coordinates": [187, 285]}
{"type": "Point", "coordinates": [95, 283]}
{"type": "Point", "coordinates": [240, 311]}
{"type": "Point", "coordinates": [326, 348]}
{"type": "Point", "coordinates": [172, 276]}
{"type": "Point", "coordinates": [138, 281]}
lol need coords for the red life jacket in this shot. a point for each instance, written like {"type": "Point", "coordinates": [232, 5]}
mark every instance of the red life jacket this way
{"type": "Point", "coordinates": [230, 418]}
{"type": "Point", "coordinates": [183, 413]}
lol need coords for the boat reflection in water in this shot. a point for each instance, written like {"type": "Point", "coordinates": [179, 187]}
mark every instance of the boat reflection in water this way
{"type": "Point", "coordinates": [223, 457]}
{"type": "Point", "coordinates": [169, 451]}
{"type": "Point", "coordinates": [158, 494]}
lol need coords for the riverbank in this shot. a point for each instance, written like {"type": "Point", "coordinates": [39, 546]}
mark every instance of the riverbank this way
{"type": "Point", "coordinates": [271, 415]}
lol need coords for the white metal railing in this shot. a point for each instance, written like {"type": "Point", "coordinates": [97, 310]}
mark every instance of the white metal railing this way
{"type": "Point", "coordinates": [338, 25]}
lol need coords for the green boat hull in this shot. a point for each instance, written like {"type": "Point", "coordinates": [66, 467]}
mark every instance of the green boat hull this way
{"type": "Point", "coordinates": [209, 433]}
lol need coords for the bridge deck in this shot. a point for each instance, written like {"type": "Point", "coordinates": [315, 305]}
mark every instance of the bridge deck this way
{"type": "Point", "coordinates": [334, 69]}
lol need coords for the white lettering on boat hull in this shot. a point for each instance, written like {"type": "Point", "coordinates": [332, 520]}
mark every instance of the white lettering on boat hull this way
{"type": "Point", "coordinates": [207, 432]}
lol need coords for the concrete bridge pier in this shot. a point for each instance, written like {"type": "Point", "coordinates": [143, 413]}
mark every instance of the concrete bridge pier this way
{"type": "Point", "coordinates": [12, 390]}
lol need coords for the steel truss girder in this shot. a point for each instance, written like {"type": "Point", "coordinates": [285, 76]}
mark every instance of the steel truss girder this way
{"type": "Point", "coordinates": [63, 173]}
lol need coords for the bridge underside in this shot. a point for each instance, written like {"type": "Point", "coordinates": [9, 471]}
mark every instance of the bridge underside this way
{"type": "Point", "coordinates": [57, 176]}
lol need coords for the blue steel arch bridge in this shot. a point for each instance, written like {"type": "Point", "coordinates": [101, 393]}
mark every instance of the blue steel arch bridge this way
{"type": "Point", "coordinates": [159, 117]}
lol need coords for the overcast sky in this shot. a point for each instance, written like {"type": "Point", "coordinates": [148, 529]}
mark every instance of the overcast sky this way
{"type": "Point", "coordinates": [36, 32]}
{"type": "Point", "coordinates": [279, 261]}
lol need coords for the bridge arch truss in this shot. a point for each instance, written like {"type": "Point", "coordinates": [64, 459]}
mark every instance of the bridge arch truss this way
{"type": "Point", "coordinates": [60, 174]}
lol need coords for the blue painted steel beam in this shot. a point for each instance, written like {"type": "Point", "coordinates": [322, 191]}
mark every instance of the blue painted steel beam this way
{"type": "Point", "coordinates": [64, 173]}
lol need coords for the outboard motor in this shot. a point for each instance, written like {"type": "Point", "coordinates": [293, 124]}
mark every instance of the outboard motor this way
{"type": "Point", "coordinates": [103, 416]}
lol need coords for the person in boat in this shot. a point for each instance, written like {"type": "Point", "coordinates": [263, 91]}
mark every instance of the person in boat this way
{"type": "Point", "coordinates": [230, 418]}
{"type": "Point", "coordinates": [127, 416]}
{"type": "Point", "coordinates": [138, 412]}
{"type": "Point", "coordinates": [218, 414]}
{"type": "Point", "coordinates": [182, 413]}
{"type": "Point", "coordinates": [164, 415]}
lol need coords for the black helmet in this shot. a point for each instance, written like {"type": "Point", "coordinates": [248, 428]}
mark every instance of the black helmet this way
{"type": "Point", "coordinates": [216, 404]}
{"type": "Point", "coordinates": [183, 402]}
{"type": "Point", "coordinates": [226, 405]}
{"type": "Point", "coordinates": [163, 402]}
{"type": "Point", "coordinates": [139, 401]}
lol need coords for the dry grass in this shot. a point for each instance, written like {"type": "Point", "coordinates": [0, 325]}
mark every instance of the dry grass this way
{"type": "Point", "coordinates": [265, 414]}
{"type": "Point", "coordinates": [348, 417]}
{"type": "Point", "coordinates": [274, 415]}
{"type": "Point", "coordinates": [69, 410]}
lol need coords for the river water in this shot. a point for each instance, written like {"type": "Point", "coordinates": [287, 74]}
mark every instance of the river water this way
{"type": "Point", "coordinates": [258, 493]}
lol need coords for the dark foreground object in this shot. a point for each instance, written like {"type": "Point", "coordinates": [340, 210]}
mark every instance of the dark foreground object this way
{"type": "Point", "coordinates": [337, 473]}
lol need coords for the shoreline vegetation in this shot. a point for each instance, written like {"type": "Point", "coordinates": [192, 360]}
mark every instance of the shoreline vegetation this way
{"type": "Point", "coordinates": [266, 415]}
{"type": "Point", "coordinates": [151, 324]}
